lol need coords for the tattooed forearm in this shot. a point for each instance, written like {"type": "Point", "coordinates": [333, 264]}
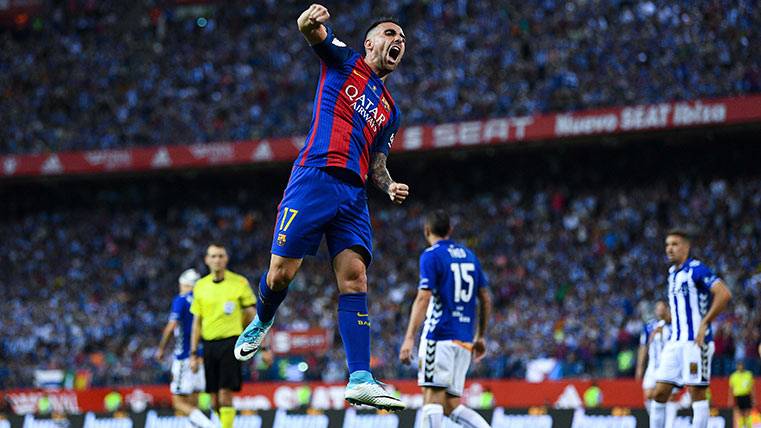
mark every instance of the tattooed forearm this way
{"type": "Point", "coordinates": [381, 177]}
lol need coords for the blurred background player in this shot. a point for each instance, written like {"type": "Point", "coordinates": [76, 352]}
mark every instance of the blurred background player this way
{"type": "Point", "coordinates": [651, 342]}
{"type": "Point", "coordinates": [353, 127]}
{"type": "Point", "coordinates": [186, 384]}
{"type": "Point", "coordinates": [742, 394]}
{"type": "Point", "coordinates": [222, 304]}
{"type": "Point", "coordinates": [450, 279]}
{"type": "Point", "coordinates": [696, 297]}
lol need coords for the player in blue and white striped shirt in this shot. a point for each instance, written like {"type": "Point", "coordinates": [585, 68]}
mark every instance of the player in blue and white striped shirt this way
{"type": "Point", "coordinates": [696, 297]}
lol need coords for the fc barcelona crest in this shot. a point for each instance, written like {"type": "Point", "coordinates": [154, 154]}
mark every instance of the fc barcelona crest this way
{"type": "Point", "coordinates": [281, 239]}
{"type": "Point", "coordinates": [385, 103]}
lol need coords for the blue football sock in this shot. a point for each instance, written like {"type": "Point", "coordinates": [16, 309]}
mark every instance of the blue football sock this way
{"type": "Point", "coordinates": [360, 376]}
{"type": "Point", "coordinates": [354, 326]}
{"type": "Point", "coordinates": [268, 301]}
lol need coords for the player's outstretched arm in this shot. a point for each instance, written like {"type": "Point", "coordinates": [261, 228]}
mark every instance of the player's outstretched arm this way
{"type": "Point", "coordinates": [310, 23]}
{"type": "Point", "coordinates": [641, 362]}
{"type": "Point", "coordinates": [484, 314]}
{"type": "Point", "coordinates": [417, 315]}
{"type": "Point", "coordinates": [721, 297]}
{"type": "Point", "coordinates": [195, 338]}
{"type": "Point", "coordinates": [398, 192]}
{"type": "Point", "coordinates": [168, 329]}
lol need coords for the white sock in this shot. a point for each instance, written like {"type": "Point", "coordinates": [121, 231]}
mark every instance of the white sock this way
{"type": "Point", "coordinates": [468, 418]}
{"type": "Point", "coordinates": [700, 414]}
{"type": "Point", "coordinates": [671, 409]}
{"type": "Point", "coordinates": [432, 416]}
{"type": "Point", "coordinates": [199, 419]}
{"type": "Point", "coordinates": [657, 415]}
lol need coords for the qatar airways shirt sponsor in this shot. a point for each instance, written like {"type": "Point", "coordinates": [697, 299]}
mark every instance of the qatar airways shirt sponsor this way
{"type": "Point", "coordinates": [367, 109]}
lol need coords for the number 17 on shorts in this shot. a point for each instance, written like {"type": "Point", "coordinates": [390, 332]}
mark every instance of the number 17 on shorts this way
{"type": "Point", "coordinates": [286, 218]}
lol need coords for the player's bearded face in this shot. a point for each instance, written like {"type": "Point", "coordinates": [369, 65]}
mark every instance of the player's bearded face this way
{"type": "Point", "coordinates": [386, 44]}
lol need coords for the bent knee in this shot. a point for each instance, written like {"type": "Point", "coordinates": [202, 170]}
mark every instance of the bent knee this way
{"type": "Point", "coordinates": [697, 393]}
{"type": "Point", "coordinates": [279, 279]}
{"type": "Point", "coordinates": [353, 282]}
{"type": "Point", "coordinates": [355, 276]}
{"type": "Point", "coordinates": [662, 395]}
{"type": "Point", "coordinates": [281, 274]}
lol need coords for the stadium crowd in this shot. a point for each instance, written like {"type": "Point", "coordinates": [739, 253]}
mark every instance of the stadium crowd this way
{"type": "Point", "coordinates": [575, 263]}
{"type": "Point", "coordinates": [110, 74]}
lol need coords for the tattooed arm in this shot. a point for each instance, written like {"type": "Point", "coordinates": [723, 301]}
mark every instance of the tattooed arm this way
{"type": "Point", "coordinates": [396, 191]}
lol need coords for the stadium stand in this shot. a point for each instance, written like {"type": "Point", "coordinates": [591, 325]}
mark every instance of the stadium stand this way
{"type": "Point", "coordinates": [110, 74]}
{"type": "Point", "coordinates": [571, 239]}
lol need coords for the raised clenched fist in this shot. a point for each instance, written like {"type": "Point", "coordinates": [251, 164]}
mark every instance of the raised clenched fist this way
{"type": "Point", "coordinates": [313, 17]}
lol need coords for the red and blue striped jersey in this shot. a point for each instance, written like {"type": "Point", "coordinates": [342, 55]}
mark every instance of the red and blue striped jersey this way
{"type": "Point", "coordinates": [354, 115]}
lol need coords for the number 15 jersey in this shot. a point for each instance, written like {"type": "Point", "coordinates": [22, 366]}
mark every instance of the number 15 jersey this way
{"type": "Point", "coordinates": [454, 275]}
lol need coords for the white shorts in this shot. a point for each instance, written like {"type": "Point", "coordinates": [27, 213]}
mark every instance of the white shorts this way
{"type": "Point", "coordinates": [685, 363]}
{"type": "Point", "coordinates": [443, 364]}
{"type": "Point", "coordinates": [648, 380]}
{"type": "Point", "coordinates": [184, 381]}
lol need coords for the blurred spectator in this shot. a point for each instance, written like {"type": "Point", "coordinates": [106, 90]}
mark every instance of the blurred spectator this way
{"type": "Point", "coordinates": [110, 74]}
{"type": "Point", "coordinates": [725, 348]}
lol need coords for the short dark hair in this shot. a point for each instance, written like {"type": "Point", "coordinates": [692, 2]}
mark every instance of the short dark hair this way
{"type": "Point", "coordinates": [379, 22]}
{"type": "Point", "coordinates": [682, 233]}
{"type": "Point", "coordinates": [438, 221]}
{"type": "Point", "coordinates": [218, 244]}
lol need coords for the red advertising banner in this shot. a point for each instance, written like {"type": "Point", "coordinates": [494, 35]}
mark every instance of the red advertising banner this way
{"type": "Point", "coordinates": [514, 130]}
{"type": "Point", "coordinates": [311, 341]}
{"type": "Point", "coordinates": [281, 395]}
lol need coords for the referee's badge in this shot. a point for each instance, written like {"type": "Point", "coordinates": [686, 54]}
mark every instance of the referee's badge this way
{"type": "Point", "coordinates": [281, 239]}
{"type": "Point", "coordinates": [229, 307]}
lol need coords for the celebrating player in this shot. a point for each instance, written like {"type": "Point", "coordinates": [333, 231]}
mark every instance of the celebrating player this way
{"type": "Point", "coordinates": [185, 384]}
{"type": "Point", "coordinates": [450, 278]}
{"type": "Point", "coordinates": [696, 296]}
{"type": "Point", "coordinates": [652, 340]}
{"type": "Point", "coordinates": [353, 127]}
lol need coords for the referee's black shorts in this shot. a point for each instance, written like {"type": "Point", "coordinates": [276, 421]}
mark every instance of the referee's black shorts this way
{"type": "Point", "coordinates": [223, 370]}
{"type": "Point", "coordinates": [743, 402]}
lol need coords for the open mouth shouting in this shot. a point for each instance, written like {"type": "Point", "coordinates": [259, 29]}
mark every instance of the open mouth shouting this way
{"type": "Point", "coordinates": [394, 52]}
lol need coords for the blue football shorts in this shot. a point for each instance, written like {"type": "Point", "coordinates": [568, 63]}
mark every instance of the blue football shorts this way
{"type": "Point", "coordinates": [316, 203]}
